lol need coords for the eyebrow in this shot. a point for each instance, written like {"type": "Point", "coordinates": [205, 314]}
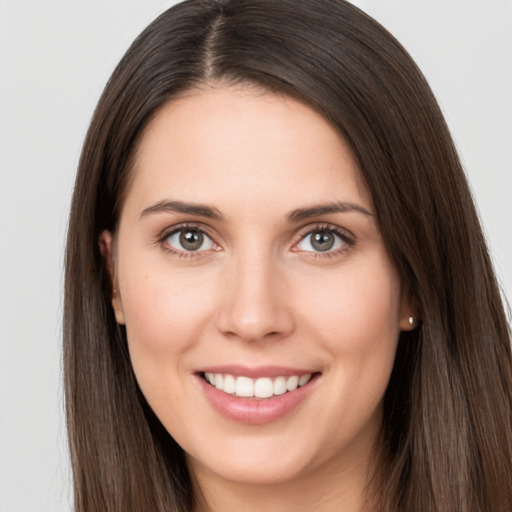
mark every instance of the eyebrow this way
{"type": "Point", "coordinates": [322, 209]}
{"type": "Point", "coordinates": [182, 207]}
{"type": "Point", "coordinates": [297, 215]}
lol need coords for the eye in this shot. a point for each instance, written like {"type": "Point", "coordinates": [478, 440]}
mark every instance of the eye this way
{"type": "Point", "coordinates": [189, 240]}
{"type": "Point", "coordinates": [323, 240]}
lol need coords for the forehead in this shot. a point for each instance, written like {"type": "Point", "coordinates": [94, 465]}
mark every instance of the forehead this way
{"type": "Point", "coordinates": [230, 143]}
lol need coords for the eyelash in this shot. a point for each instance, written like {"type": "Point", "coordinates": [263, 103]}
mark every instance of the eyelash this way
{"type": "Point", "coordinates": [347, 239]}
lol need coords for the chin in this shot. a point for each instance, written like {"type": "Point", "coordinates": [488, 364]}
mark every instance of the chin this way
{"type": "Point", "coordinates": [244, 470]}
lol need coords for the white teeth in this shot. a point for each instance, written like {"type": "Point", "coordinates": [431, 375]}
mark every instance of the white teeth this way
{"type": "Point", "coordinates": [229, 384]}
{"type": "Point", "coordinates": [264, 387]}
{"type": "Point", "coordinates": [244, 387]}
{"type": "Point", "coordinates": [304, 379]}
{"type": "Point", "coordinates": [292, 383]}
{"type": "Point", "coordinates": [280, 386]}
{"type": "Point", "coordinates": [219, 380]}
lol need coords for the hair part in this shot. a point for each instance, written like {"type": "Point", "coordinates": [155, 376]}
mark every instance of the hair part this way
{"type": "Point", "coordinates": [446, 443]}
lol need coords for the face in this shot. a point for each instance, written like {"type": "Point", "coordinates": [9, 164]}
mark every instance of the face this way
{"type": "Point", "coordinates": [261, 308]}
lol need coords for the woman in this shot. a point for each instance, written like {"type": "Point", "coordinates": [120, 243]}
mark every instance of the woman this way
{"type": "Point", "coordinates": [278, 294]}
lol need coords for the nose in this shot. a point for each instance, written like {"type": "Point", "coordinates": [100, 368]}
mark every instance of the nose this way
{"type": "Point", "coordinates": [255, 302]}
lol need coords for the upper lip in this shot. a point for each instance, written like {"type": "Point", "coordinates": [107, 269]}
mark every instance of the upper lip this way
{"type": "Point", "coordinates": [255, 372]}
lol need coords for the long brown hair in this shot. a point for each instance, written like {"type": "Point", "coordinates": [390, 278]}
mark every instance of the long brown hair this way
{"type": "Point", "coordinates": [447, 434]}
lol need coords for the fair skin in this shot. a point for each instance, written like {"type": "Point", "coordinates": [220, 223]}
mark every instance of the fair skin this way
{"type": "Point", "coordinates": [257, 283]}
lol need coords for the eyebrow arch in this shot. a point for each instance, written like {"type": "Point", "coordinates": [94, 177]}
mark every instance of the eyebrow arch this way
{"type": "Point", "coordinates": [321, 209]}
{"type": "Point", "coordinates": [182, 207]}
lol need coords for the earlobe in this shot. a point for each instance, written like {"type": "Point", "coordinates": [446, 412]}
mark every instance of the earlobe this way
{"type": "Point", "coordinates": [409, 315]}
{"type": "Point", "coordinates": [410, 324]}
{"type": "Point", "coordinates": [118, 307]}
{"type": "Point", "coordinates": [409, 321]}
{"type": "Point", "coordinates": [106, 243]}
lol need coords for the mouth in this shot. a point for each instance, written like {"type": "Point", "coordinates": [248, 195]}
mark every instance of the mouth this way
{"type": "Point", "coordinates": [262, 387]}
{"type": "Point", "coordinates": [256, 396]}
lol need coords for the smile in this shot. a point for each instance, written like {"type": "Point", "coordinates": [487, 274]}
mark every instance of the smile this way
{"type": "Point", "coordinates": [263, 387]}
{"type": "Point", "coordinates": [256, 395]}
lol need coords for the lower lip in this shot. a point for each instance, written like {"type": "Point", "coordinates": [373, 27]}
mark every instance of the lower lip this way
{"type": "Point", "coordinates": [252, 410]}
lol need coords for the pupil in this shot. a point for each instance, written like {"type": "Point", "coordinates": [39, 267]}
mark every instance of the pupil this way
{"type": "Point", "coordinates": [322, 241]}
{"type": "Point", "coordinates": [191, 240]}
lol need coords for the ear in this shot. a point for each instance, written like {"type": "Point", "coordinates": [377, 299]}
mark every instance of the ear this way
{"type": "Point", "coordinates": [409, 311]}
{"type": "Point", "coordinates": [106, 243]}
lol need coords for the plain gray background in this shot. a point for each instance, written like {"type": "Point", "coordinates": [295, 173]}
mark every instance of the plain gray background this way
{"type": "Point", "coordinates": [55, 57]}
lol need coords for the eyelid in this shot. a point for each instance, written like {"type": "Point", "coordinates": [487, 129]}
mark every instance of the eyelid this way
{"type": "Point", "coordinates": [325, 226]}
{"type": "Point", "coordinates": [169, 230]}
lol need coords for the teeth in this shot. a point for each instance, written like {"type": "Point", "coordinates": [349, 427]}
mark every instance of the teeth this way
{"type": "Point", "coordinates": [219, 381]}
{"type": "Point", "coordinates": [304, 379]}
{"type": "Point", "coordinates": [229, 384]}
{"type": "Point", "coordinates": [244, 387]}
{"type": "Point", "coordinates": [264, 387]}
{"type": "Point", "coordinates": [292, 383]}
{"type": "Point", "coordinates": [280, 386]}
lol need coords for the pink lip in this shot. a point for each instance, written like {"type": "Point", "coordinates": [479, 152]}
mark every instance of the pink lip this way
{"type": "Point", "coordinates": [252, 410]}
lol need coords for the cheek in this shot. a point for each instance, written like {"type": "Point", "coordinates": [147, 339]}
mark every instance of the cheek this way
{"type": "Point", "coordinates": [357, 310]}
{"type": "Point", "coordinates": [355, 320]}
{"type": "Point", "coordinates": [165, 312]}
{"type": "Point", "coordinates": [356, 324]}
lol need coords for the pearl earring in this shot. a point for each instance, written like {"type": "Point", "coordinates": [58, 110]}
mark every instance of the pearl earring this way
{"type": "Point", "coordinates": [411, 321]}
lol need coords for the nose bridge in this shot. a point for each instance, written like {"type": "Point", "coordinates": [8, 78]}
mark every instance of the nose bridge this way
{"type": "Point", "coordinates": [255, 304]}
